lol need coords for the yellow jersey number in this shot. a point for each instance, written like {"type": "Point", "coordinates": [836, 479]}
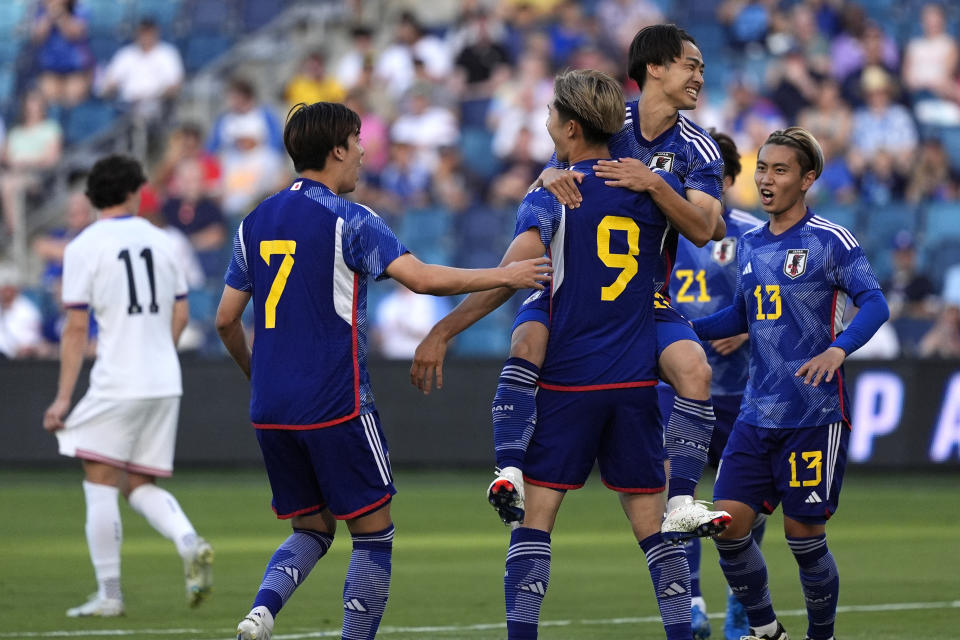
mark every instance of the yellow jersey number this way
{"type": "Point", "coordinates": [773, 298]}
{"type": "Point", "coordinates": [269, 248]}
{"type": "Point", "coordinates": [814, 460]}
{"type": "Point", "coordinates": [626, 262]}
{"type": "Point", "coordinates": [689, 277]}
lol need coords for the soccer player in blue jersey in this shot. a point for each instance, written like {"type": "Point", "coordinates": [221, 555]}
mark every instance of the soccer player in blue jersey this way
{"type": "Point", "coordinates": [666, 63]}
{"type": "Point", "coordinates": [705, 280]}
{"type": "Point", "coordinates": [597, 401]}
{"type": "Point", "coordinates": [304, 256]}
{"type": "Point", "coordinates": [789, 444]}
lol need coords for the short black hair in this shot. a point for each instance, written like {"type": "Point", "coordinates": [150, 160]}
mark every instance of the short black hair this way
{"type": "Point", "coordinates": [113, 179]}
{"type": "Point", "coordinates": [313, 130]}
{"type": "Point", "coordinates": [729, 153]}
{"type": "Point", "coordinates": [658, 44]}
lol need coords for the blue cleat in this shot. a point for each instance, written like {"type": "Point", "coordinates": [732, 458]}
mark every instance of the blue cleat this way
{"type": "Point", "coordinates": [736, 624]}
{"type": "Point", "coordinates": [700, 623]}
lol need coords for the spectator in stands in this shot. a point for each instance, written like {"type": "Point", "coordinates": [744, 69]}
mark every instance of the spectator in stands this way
{"type": "Point", "coordinates": [145, 75]}
{"type": "Point", "coordinates": [568, 32]}
{"type": "Point", "coordinates": [252, 168]}
{"type": "Point", "coordinates": [404, 318]}
{"type": "Point", "coordinates": [32, 150]}
{"type": "Point", "coordinates": [312, 83]}
{"type": "Point", "coordinates": [930, 61]}
{"type": "Point", "coordinates": [881, 124]}
{"type": "Point", "coordinates": [624, 18]}
{"type": "Point", "coordinates": [793, 85]}
{"type": "Point", "coordinates": [351, 63]}
{"type": "Point", "coordinates": [394, 66]}
{"type": "Point", "coordinates": [877, 50]}
{"type": "Point", "coordinates": [806, 35]}
{"type": "Point", "coordinates": [198, 217]}
{"type": "Point", "coordinates": [59, 33]}
{"type": "Point", "coordinates": [909, 291]}
{"type": "Point", "coordinates": [517, 106]}
{"type": "Point", "coordinates": [881, 183]}
{"type": "Point", "coordinates": [829, 117]}
{"type": "Point", "coordinates": [943, 339]}
{"type": "Point", "coordinates": [242, 104]}
{"type": "Point", "coordinates": [20, 319]}
{"type": "Point", "coordinates": [482, 64]}
{"type": "Point", "coordinates": [185, 145]}
{"type": "Point", "coordinates": [425, 126]}
{"type": "Point", "coordinates": [932, 178]}
{"type": "Point", "coordinates": [836, 184]}
{"type": "Point", "coordinates": [50, 244]}
{"type": "Point", "coordinates": [861, 43]}
{"type": "Point", "coordinates": [747, 21]}
{"type": "Point", "coordinates": [404, 181]}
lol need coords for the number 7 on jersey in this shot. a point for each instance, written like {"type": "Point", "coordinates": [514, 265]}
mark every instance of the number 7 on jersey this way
{"type": "Point", "coordinates": [269, 248]}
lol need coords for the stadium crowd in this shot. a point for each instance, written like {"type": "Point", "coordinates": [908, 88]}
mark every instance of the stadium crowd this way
{"type": "Point", "coordinates": [453, 118]}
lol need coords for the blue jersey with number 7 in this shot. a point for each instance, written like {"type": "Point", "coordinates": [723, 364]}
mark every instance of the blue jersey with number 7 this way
{"type": "Point", "coordinates": [606, 255]}
{"type": "Point", "coordinates": [305, 255]}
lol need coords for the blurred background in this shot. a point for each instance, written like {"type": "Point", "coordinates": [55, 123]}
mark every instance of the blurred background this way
{"type": "Point", "coordinates": [452, 96]}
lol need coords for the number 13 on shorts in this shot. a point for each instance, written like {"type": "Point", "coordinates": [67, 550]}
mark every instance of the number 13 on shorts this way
{"type": "Point", "coordinates": [811, 465]}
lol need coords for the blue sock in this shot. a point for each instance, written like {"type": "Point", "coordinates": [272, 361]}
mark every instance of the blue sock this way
{"type": "Point", "coordinates": [525, 581]}
{"type": "Point", "coordinates": [820, 581]}
{"type": "Point", "coordinates": [671, 582]}
{"type": "Point", "coordinates": [687, 437]}
{"type": "Point", "coordinates": [290, 565]}
{"type": "Point", "coordinates": [759, 528]}
{"type": "Point", "coordinates": [514, 411]}
{"type": "Point", "coordinates": [692, 550]}
{"type": "Point", "coordinates": [746, 573]}
{"type": "Point", "coordinates": [367, 586]}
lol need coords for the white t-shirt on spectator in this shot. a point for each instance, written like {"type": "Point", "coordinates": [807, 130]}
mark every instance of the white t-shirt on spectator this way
{"type": "Point", "coordinates": [19, 326]}
{"type": "Point", "coordinates": [144, 75]}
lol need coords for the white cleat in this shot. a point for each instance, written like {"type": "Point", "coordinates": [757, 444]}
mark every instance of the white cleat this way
{"type": "Point", "coordinates": [505, 494]}
{"type": "Point", "coordinates": [258, 625]}
{"type": "Point", "coordinates": [198, 572]}
{"type": "Point", "coordinates": [779, 634]}
{"type": "Point", "coordinates": [693, 520]}
{"type": "Point", "coordinates": [97, 607]}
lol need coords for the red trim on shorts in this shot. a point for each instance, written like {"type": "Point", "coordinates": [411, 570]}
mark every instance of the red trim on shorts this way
{"type": "Point", "coordinates": [597, 387]}
{"type": "Point", "coordinates": [93, 456]}
{"type": "Point", "coordinates": [305, 427]}
{"type": "Point", "coordinates": [149, 471]}
{"type": "Point", "coordinates": [367, 509]}
{"type": "Point", "coordinates": [298, 512]}
{"type": "Point", "coordinates": [625, 490]}
{"type": "Point", "coordinates": [550, 485]}
{"type": "Point", "coordinates": [768, 508]}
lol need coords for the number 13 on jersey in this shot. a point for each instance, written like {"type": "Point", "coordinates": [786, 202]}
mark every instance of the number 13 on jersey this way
{"type": "Point", "coordinates": [269, 248]}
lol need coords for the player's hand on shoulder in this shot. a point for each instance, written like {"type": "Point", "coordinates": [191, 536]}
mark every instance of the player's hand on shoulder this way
{"type": "Point", "coordinates": [563, 185]}
{"type": "Point", "coordinates": [528, 274]}
{"type": "Point", "coordinates": [428, 362]}
{"type": "Point", "coordinates": [629, 173]}
{"type": "Point", "coordinates": [53, 416]}
{"type": "Point", "coordinates": [726, 346]}
{"type": "Point", "coordinates": [822, 367]}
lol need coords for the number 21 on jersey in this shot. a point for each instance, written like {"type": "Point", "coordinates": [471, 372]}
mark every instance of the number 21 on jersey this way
{"type": "Point", "coordinates": [269, 248]}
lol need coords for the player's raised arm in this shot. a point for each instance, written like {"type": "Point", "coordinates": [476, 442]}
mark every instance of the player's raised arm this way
{"type": "Point", "coordinates": [439, 280]}
{"type": "Point", "coordinates": [428, 359]}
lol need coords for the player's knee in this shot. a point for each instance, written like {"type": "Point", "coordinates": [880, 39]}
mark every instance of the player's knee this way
{"type": "Point", "coordinates": [529, 342]}
{"type": "Point", "coordinates": [694, 380]}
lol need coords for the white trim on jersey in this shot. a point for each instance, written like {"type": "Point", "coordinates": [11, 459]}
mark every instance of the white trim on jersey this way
{"type": "Point", "coordinates": [841, 232]}
{"type": "Point", "coordinates": [343, 280]}
{"type": "Point", "coordinates": [702, 142]}
{"type": "Point", "coordinates": [556, 251]}
{"type": "Point", "coordinates": [243, 246]}
{"type": "Point", "coordinates": [745, 217]}
{"type": "Point", "coordinates": [370, 430]}
{"type": "Point", "coordinates": [839, 308]}
{"type": "Point", "coordinates": [663, 238]}
{"type": "Point", "coordinates": [833, 450]}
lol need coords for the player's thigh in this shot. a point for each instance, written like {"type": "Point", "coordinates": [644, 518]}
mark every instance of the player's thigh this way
{"type": "Point", "coordinates": [809, 471]}
{"type": "Point", "coordinates": [745, 472]}
{"type": "Point", "coordinates": [289, 468]}
{"type": "Point", "coordinates": [631, 449]}
{"type": "Point", "coordinates": [680, 357]}
{"type": "Point", "coordinates": [565, 443]}
{"type": "Point", "coordinates": [528, 337]}
{"type": "Point", "coordinates": [101, 430]}
{"type": "Point", "coordinates": [152, 453]}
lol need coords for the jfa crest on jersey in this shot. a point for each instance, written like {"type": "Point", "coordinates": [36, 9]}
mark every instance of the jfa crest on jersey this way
{"type": "Point", "coordinates": [724, 251]}
{"type": "Point", "coordinates": [794, 288]}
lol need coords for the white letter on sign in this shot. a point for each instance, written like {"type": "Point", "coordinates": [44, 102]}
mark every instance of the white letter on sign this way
{"type": "Point", "coordinates": [947, 435]}
{"type": "Point", "coordinates": [877, 408]}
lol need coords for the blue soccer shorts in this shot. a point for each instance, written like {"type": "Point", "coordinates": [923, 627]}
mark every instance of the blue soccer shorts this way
{"type": "Point", "coordinates": [725, 409]}
{"type": "Point", "coordinates": [800, 467]}
{"type": "Point", "coordinates": [671, 325]}
{"type": "Point", "coordinates": [618, 428]}
{"type": "Point", "coordinates": [344, 468]}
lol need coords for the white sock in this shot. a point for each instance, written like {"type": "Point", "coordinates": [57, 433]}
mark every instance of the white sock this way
{"type": "Point", "coordinates": [699, 603]}
{"type": "Point", "coordinates": [766, 630]}
{"type": "Point", "coordinates": [104, 537]}
{"type": "Point", "coordinates": [164, 514]}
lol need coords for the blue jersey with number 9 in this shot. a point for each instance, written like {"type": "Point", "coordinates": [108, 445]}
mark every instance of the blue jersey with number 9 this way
{"type": "Point", "coordinates": [606, 254]}
{"type": "Point", "coordinates": [305, 254]}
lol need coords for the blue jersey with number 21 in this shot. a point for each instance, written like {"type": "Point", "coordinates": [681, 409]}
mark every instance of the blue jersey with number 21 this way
{"type": "Point", "coordinates": [305, 255]}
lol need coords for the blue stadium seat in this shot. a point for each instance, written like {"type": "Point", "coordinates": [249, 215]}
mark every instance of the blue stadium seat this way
{"type": "Point", "coordinates": [881, 224]}
{"type": "Point", "coordinates": [488, 338]}
{"type": "Point", "coordinates": [843, 214]}
{"type": "Point", "coordinates": [476, 143]}
{"type": "Point", "coordinates": [12, 12]}
{"type": "Point", "coordinates": [210, 14]}
{"type": "Point", "coordinates": [163, 12]}
{"type": "Point", "coordinates": [942, 220]}
{"type": "Point", "coordinates": [940, 256]}
{"type": "Point", "coordinates": [87, 119]}
{"type": "Point", "coordinates": [256, 13]}
{"type": "Point", "coordinates": [426, 225]}
{"type": "Point", "coordinates": [109, 16]}
{"type": "Point", "coordinates": [201, 48]}
{"type": "Point", "coordinates": [104, 45]}
{"type": "Point", "coordinates": [7, 81]}
{"type": "Point", "coordinates": [950, 138]}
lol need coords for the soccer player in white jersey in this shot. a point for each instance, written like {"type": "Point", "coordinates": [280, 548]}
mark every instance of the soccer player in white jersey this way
{"type": "Point", "coordinates": [789, 443]}
{"type": "Point", "coordinates": [123, 270]}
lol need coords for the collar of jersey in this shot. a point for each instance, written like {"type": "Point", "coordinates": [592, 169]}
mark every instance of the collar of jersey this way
{"type": "Point", "coordinates": [123, 217]}
{"type": "Point", "coordinates": [799, 225]}
{"type": "Point", "coordinates": [586, 165]}
{"type": "Point", "coordinates": [635, 108]}
{"type": "Point", "coordinates": [309, 182]}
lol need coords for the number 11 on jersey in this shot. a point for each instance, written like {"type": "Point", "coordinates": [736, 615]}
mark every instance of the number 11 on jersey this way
{"type": "Point", "coordinates": [268, 248]}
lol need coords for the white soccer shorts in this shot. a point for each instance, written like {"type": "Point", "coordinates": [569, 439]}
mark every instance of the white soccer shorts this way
{"type": "Point", "coordinates": [136, 434]}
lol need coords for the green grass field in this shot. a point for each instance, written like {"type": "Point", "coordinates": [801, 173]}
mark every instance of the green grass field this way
{"type": "Point", "coordinates": [895, 539]}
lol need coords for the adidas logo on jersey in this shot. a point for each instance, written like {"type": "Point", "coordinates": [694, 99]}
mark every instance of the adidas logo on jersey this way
{"type": "Point", "coordinates": [534, 587]}
{"type": "Point", "coordinates": [293, 572]}
{"type": "Point", "coordinates": [355, 604]}
{"type": "Point", "coordinates": [674, 589]}
{"type": "Point", "coordinates": [747, 269]}
{"type": "Point", "coordinates": [813, 498]}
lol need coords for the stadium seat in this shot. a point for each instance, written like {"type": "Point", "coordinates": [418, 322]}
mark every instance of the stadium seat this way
{"type": "Point", "coordinates": [109, 17]}
{"type": "Point", "coordinates": [201, 48]}
{"type": "Point", "coordinates": [163, 12]}
{"type": "Point", "coordinates": [942, 220]}
{"type": "Point", "coordinates": [881, 224]}
{"type": "Point", "coordinates": [488, 338]}
{"type": "Point", "coordinates": [939, 256]}
{"type": "Point", "coordinates": [210, 14]}
{"type": "Point", "coordinates": [427, 225]}
{"type": "Point", "coordinates": [87, 119]}
{"type": "Point", "coordinates": [104, 45]}
{"type": "Point", "coordinates": [256, 13]}
{"type": "Point", "coordinates": [12, 13]}
{"type": "Point", "coordinates": [843, 214]}
{"type": "Point", "coordinates": [476, 143]}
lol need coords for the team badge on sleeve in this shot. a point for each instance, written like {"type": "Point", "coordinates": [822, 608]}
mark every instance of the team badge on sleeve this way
{"type": "Point", "coordinates": [796, 263]}
{"type": "Point", "coordinates": [724, 251]}
{"type": "Point", "coordinates": [662, 160]}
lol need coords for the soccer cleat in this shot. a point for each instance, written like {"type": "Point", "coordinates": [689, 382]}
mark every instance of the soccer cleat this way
{"type": "Point", "coordinates": [699, 623]}
{"type": "Point", "coordinates": [693, 520]}
{"type": "Point", "coordinates": [779, 634]}
{"type": "Point", "coordinates": [97, 607]}
{"type": "Point", "coordinates": [506, 495]}
{"type": "Point", "coordinates": [258, 625]}
{"type": "Point", "coordinates": [198, 572]}
{"type": "Point", "coordinates": [736, 624]}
